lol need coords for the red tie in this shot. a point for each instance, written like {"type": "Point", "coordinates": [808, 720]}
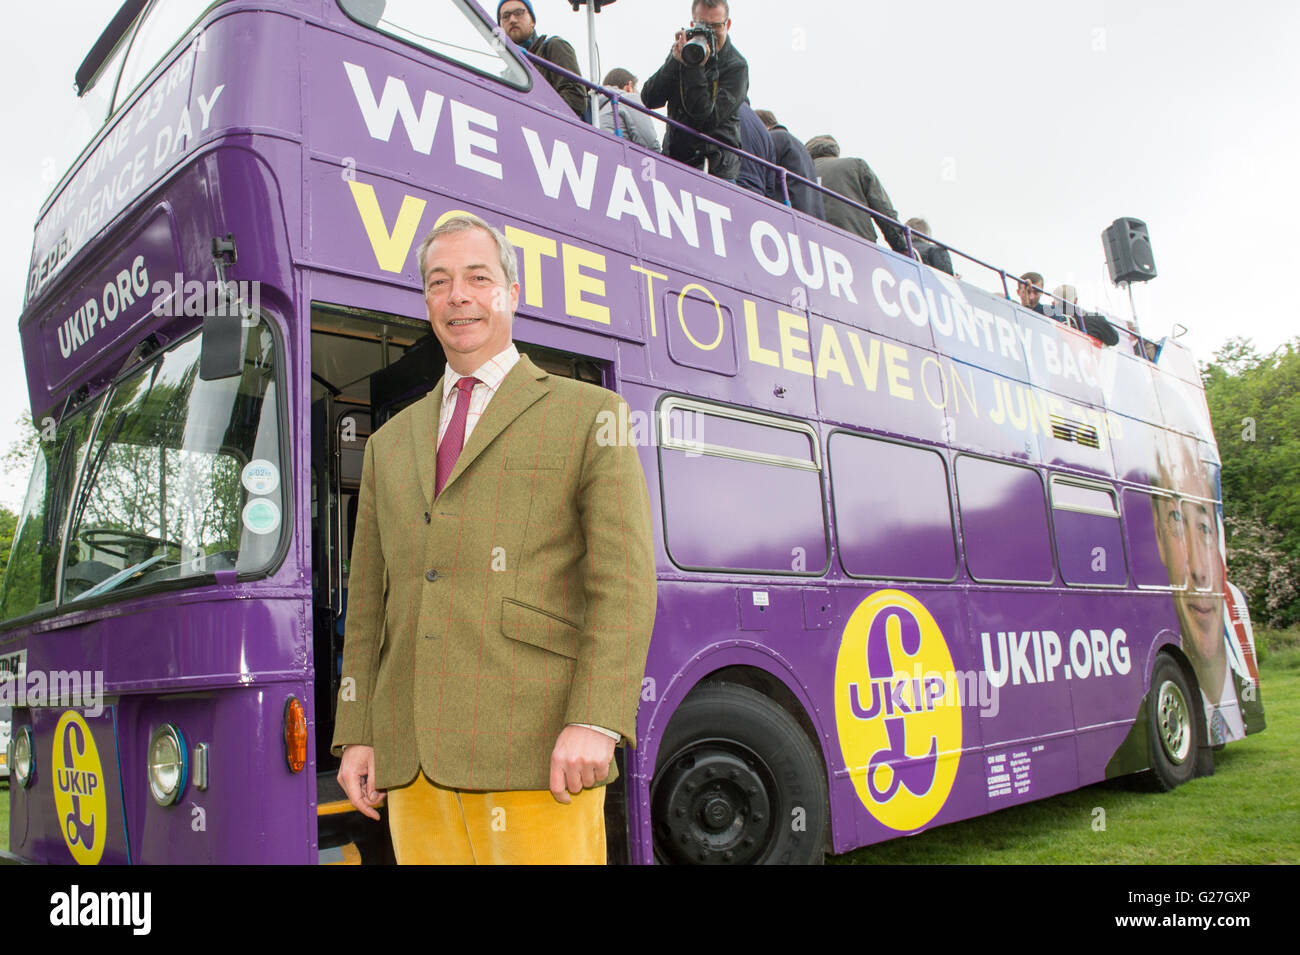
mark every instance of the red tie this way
{"type": "Point", "coordinates": [454, 440]}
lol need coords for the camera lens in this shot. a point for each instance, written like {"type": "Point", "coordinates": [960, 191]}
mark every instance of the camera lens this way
{"type": "Point", "coordinates": [696, 49]}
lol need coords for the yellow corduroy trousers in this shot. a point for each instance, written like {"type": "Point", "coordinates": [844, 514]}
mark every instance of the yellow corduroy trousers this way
{"type": "Point", "coordinates": [431, 825]}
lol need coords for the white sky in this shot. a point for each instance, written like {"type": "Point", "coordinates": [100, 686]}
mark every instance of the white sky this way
{"type": "Point", "coordinates": [1020, 129]}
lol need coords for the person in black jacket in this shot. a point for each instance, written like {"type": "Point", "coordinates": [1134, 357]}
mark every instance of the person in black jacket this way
{"type": "Point", "coordinates": [756, 141]}
{"type": "Point", "coordinates": [935, 256]}
{"type": "Point", "coordinates": [791, 154]}
{"type": "Point", "coordinates": [706, 97]}
{"type": "Point", "coordinates": [1029, 288]}
{"type": "Point", "coordinates": [516, 19]}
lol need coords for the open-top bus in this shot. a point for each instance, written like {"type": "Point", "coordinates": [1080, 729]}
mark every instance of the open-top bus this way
{"type": "Point", "coordinates": [922, 553]}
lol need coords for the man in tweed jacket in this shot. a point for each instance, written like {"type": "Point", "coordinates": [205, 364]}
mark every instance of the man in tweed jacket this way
{"type": "Point", "coordinates": [502, 588]}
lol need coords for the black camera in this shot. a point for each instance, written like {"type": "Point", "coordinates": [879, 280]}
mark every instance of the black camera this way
{"type": "Point", "coordinates": [698, 46]}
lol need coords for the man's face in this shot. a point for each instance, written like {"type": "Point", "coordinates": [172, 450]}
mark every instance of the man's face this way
{"type": "Point", "coordinates": [716, 19]}
{"type": "Point", "coordinates": [1029, 295]}
{"type": "Point", "coordinates": [516, 21]}
{"type": "Point", "coordinates": [1188, 538]}
{"type": "Point", "coordinates": [470, 306]}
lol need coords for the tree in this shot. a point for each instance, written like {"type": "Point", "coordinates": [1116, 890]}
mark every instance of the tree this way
{"type": "Point", "coordinates": [1254, 402]}
{"type": "Point", "coordinates": [8, 524]}
{"type": "Point", "coordinates": [17, 460]}
{"type": "Point", "coordinates": [16, 463]}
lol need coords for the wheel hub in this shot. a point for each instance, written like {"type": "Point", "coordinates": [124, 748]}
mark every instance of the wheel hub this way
{"type": "Point", "coordinates": [712, 805]}
{"type": "Point", "coordinates": [1173, 719]}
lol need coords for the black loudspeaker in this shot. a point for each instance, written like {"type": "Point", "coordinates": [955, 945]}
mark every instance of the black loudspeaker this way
{"type": "Point", "coordinates": [1128, 251]}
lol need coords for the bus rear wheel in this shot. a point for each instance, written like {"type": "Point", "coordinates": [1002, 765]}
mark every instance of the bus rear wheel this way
{"type": "Point", "coordinates": [1174, 733]}
{"type": "Point", "coordinates": [737, 783]}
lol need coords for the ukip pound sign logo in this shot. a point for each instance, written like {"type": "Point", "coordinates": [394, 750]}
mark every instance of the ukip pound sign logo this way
{"type": "Point", "coordinates": [79, 798]}
{"type": "Point", "coordinates": [898, 716]}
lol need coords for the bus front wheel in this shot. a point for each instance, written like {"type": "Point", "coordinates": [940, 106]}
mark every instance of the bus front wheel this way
{"type": "Point", "coordinates": [737, 782]}
{"type": "Point", "coordinates": [1173, 727]}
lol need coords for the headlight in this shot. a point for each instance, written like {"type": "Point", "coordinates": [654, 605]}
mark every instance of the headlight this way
{"type": "Point", "coordinates": [23, 764]}
{"type": "Point", "coordinates": [168, 764]}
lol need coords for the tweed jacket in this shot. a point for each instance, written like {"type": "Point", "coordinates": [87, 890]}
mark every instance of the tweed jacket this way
{"type": "Point", "coordinates": [520, 600]}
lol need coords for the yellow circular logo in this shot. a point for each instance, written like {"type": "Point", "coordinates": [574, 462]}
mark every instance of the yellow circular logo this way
{"type": "Point", "coordinates": [898, 710]}
{"type": "Point", "coordinates": [79, 798]}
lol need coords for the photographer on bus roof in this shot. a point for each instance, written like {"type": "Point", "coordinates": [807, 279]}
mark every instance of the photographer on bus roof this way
{"type": "Point", "coordinates": [703, 82]}
{"type": "Point", "coordinates": [515, 17]}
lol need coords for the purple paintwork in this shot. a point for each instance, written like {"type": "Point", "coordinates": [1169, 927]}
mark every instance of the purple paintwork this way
{"type": "Point", "coordinates": [681, 284]}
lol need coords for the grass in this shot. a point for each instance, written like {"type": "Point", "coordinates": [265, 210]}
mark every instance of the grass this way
{"type": "Point", "coordinates": [1280, 649]}
{"type": "Point", "coordinates": [1248, 812]}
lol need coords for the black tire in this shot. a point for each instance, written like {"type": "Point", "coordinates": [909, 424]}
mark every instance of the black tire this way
{"type": "Point", "coordinates": [1173, 728]}
{"type": "Point", "coordinates": [737, 782]}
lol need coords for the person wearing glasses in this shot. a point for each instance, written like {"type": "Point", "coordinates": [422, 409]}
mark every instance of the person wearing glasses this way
{"type": "Point", "coordinates": [702, 82]}
{"type": "Point", "coordinates": [516, 18]}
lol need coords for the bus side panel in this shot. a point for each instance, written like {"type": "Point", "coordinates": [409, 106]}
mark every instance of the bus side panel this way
{"type": "Point", "coordinates": [717, 625]}
{"type": "Point", "coordinates": [221, 671]}
{"type": "Point", "coordinates": [909, 723]}
{"type": "Point", "coordinates": [72, 810]}
{"type": "Point", "coordinates": [701, 628]}
{"type": "Point", "coordinates": [1113, 730]}
{"type": "Point", "coordinates": [1019, 646]}
{"type": "Point", "coordinates": [254, 810]}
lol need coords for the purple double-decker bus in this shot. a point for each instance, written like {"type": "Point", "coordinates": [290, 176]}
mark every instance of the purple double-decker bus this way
{"type": "Point", "coordinates": [922, 553]}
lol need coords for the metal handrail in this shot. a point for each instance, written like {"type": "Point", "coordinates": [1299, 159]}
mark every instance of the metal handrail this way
{"type": "Point", "coordinates": [1068, 309]}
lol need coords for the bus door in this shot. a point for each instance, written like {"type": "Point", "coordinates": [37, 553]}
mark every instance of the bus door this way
{"type": "Point", "coordinates": [366, 367]}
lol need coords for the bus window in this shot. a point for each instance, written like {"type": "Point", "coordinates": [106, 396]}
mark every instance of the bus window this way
{"type": "Point", "coordinates": [1089, 545]}
{"type": "Point", "coordinates": [1153, 524]}
{"type": "Point", "coordinates": [893, 512]}
{"type": "Point", "coordinates": [447, 28]}
{"type": "Point", "coordinates": [996, 500]}
{"type": "Point", "coordinates": [164, 23]}
{"type": "Point", "coordinates": [768, 472]}
{"type": "Point", "coordinates": [185, 478]}
{"type": "Point", "coordinates": [33, 561]}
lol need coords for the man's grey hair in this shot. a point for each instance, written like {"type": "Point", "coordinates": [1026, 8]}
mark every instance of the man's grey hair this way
{"type": "Point", "coordinates": [820, 146]}
{"type": "Point", "coordinates": [919, 225]}
{"type": "Point", "coordinates": [1067, 293]}
{"type": "Point", "coordinates": [463, 223]}
{"type": "Point", "coordinates": [711, 5]}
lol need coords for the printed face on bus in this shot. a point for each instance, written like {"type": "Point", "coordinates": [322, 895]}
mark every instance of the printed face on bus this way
{"type": "Point", "coordinates": [470, 306]}
{"type": "Point", "coordinates": [1188, 538]}
{"type": "Point", "coordinates": [516, 21]}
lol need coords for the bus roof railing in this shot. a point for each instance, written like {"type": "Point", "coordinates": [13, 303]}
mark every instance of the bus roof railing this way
{"type": "Point", "coordinates": [1067, 313]}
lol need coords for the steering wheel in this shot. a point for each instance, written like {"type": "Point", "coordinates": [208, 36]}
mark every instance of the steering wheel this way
{"type": "Point", "coordinates": [107, 538]}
